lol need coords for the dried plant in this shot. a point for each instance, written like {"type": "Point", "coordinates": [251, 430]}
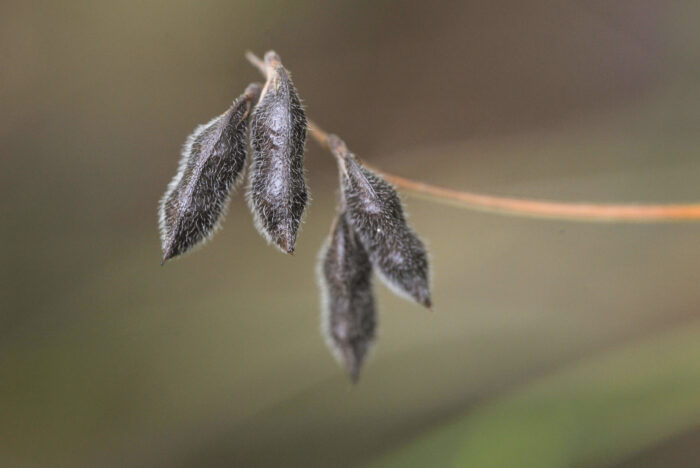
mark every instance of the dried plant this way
{"type": "Point", "coordinates": [369, 233]}
{"type": "Point", "coordinates": [277, 193]}
{"type": "Point", "coordinates": [348, 314]}
{"type": "Point", "coordinates": [212, 162]}
{"type": "Point", "coordinates": [375, 213]}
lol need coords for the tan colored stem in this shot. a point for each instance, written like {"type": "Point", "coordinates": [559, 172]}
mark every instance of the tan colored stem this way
{"type": "Point", "coordinates": [257, 62]}
{"type": "Point", "coordinates": [533, 208]}
{"type": "Point", "coordinates": [584, 212]}
{"type": "Point", "coordinates": [549, 209]}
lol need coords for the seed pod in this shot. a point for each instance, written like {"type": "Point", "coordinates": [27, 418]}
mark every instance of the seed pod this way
{"type": "Point", "coordinates": [376, 214]}
{"type": "Point", "coordinates": [212, 162]}
{"type": "Point", "coordinates": [277, 194]}
{"type": "Point", "coordinates": [348, 318]}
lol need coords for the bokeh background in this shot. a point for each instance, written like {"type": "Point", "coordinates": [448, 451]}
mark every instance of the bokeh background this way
{"type": "Point", "coordinates": [552, 344]}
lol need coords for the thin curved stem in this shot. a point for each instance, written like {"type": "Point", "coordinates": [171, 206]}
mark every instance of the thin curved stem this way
{"type": "Point", "coordinates": [584, 212]}
{"type": "Point", "coordinates": [532, 208]}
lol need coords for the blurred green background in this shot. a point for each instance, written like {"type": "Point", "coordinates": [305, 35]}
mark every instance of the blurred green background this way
{"type": "Point", "coordinates": [552, 344]}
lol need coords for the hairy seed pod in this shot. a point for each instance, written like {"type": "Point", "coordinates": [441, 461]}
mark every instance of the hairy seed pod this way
{"type": "Point", "coordinates": [345, 275]}
{"type": "Point", "coordinates": [376, 214]}
{"type": "Point", "coordinates": [212, 162]}
{"type": "Point", "coordinates": [277, 194]}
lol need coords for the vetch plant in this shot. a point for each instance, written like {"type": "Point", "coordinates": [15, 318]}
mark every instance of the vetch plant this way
{"type": "Point", "coordinates": [375, 213]}
{"type": "Point", "coordinates": [369, 234]}
{"type": "Point", "coordinates": [212, 162]}
{"type": "Point", "coordinates": [349, 319]}
{"type": "Point", "coordinates": [277, 193]}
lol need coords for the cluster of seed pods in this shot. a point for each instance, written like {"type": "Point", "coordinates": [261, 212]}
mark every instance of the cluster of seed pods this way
{"type": "Point", "coordinates": [369, 233]}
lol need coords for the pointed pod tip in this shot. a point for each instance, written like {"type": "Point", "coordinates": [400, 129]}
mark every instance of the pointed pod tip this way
{"type": "Point", "coordinates": [421, 294]}
{"type": "Point", "coordinates": [352, 366]}
{"type": "Point", "coordinates": [285, 247]}
{"type": "Point", "coordinates": [353, 360]}
{"type": "Point", "coordinates": [286, 243]}
{"type": "Point", "coordinates": [354, 375]}
{"type": "Point", "coordinates": [167, 255]}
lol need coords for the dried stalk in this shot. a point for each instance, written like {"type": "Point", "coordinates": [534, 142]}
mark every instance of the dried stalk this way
{"type": "Point", "coordinates": [582, 212]}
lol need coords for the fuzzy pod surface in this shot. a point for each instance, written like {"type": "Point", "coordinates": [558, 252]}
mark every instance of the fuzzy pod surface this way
{"type": "Point", "coordinates": [376, 214]}
{"type": "Point", "coordinates": [277, 192]}
{"type": "Point", "coordinates": [212, 162]}
{"type": "Point", "coordinates": [348, 318]}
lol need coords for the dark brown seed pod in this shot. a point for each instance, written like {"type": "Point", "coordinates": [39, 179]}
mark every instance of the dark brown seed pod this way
{"type": "Point", "coordinates": [212, 162]}
{"type": "Point", "coordinates": [348, 319]}
{"type": "Point", "coordinates": [277, 194]}
{"type": "Point", "coordinates": [376, 214]}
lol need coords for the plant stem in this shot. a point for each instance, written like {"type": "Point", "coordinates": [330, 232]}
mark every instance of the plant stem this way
{"type": "Point", "coordinates": [584, 212]}
{"type": "Point", "coordinates": [256, 61]}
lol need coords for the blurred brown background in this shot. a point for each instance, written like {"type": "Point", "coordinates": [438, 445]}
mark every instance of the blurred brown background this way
{"type": "Point", "coordinates": [552, 343]}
